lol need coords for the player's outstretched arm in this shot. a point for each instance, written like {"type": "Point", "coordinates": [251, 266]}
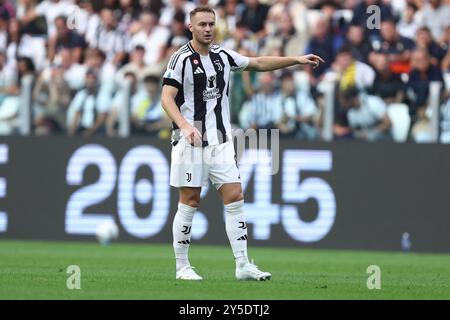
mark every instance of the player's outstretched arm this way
{"type": "Point", "coordinates": [168, 103]}
{"type": "Point", "coordinates": [269, 63]}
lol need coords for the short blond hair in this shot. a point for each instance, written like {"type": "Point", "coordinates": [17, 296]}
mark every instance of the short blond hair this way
{"type": "Point", "coordinates": [201, 9]}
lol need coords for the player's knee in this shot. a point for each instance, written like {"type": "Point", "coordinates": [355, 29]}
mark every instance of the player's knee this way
{"type": "Point", "coordinates": [234, 197]}
{"type": "Point", "coordinates": [192, 200]}
{"type": "Point", "coordinates": [190, 197]}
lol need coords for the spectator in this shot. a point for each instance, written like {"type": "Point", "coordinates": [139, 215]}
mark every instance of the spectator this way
{"type": "Point", "coordinates": [425, 41]}
{"type": "Point", "coordinates": [96, 59]}
{"type": "Point", "coordinates": [89, 108]}
{"type": "Point", "coordinates": [322, 44]}
{"type": "Point", "coordinates": [87, 19]}
{"type": "Point", "coordinates": [387, 85]}
{"type": "Point", "coordinates": [422, 74]}
{"type": "Point", "coordinates": [360, 46]}
{"type": "Point", "coordinates": [285, 115]}
{"type": "Point", "coordinates": [67, 39]}
{"type": "Point", "coordinates": [14, 46]}
{"type": "Point", "coordinates": [9, 101]}
{"type": "Point", "coordinates": [179, 36]}
{"type": "Point", "coordinates": [337, 24]}
{"type": "Point", "coordinates": [155, 6]}
{"type": "Point", "coordinates": [129, 12]}
{"type": "Point", "coordinates": [296, 9]}
{"type": "Point", "coordinates": [242, 39]}
{"type": "Point", "coordinates": [366, 115]}
{"type": "Point", "coordinates": [51, 9]}
{"type": "Point", "coordinates": [352, 72]}
{"type": "Point", "coordinates": [136, 66]}
{"type": "Point", "coordinates": [52, 96]}
{"type": "Point", "coordinates": [152, 37]}
{"type": "Point", "coordinates": [364, 17]}
{"type": "Point", "coordinates": [397, 48]}
{"type": "Point", "coordinates": [37, 26]}
{"type": "Point", "coordinates": [109, 38]}
{"type": "Point", "coordinates": [119, 102]}
{"type": "Point", "coordinates": [285, 41]}
{"type": "Point", "coordinates": [254, 14]}
{"type": "Point", "coordinates": [258, 112]}
{"type": "Point", "coordinates": [174, 6]}
{"type": "Point", "coordinates": [436, 16]}
{"type": "Point", "coordinates": [23, 45]}
{"type": "Point", "coordinates": [226, 19]}
{"type": "Point", "coordinates": [408, 24]}
{"type": "Point", "coordinates": [296, 115]}
{"type": "Point", "coordinates": [10, 107]}
{"type": "Point", "coordinates": [148, 117]}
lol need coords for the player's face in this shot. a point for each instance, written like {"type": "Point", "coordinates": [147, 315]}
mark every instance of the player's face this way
{"type": "Point", "coordinates": [202, 27]}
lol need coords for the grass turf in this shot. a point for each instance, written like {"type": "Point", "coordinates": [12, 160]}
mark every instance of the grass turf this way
{"type": "Point", "coordinates": [37, 270]}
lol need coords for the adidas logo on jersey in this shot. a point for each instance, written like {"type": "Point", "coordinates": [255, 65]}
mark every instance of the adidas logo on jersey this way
{"type": "Point", "coordinates": [198, 70]}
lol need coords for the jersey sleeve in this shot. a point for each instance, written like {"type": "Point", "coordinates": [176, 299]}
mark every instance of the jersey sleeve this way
{"type": "Point", "coordinates": [173, 74]}
{"type": "Point", "coordinates": [237, 61]}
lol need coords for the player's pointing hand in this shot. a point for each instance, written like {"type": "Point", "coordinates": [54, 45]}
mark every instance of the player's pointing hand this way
{"type": "Point", "coordinates": [310, 59]}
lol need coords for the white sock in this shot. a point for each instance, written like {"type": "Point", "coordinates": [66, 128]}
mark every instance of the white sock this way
{"type": "Point", "coordinates": [236, 227]}
{"type": "Point", "coordinates": [181, 230]}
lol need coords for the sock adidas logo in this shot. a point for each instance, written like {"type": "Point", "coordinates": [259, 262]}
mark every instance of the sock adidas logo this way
{"type": "Point", "coordinates": [198, 70]}
{"type": "Point", "coordinates": [184, 242]}
{"type": "Point", "coordinates": [244, 237]}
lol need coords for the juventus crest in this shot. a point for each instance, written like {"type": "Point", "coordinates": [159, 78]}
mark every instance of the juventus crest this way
{"type": "Point", "coordinates": [218, 65]}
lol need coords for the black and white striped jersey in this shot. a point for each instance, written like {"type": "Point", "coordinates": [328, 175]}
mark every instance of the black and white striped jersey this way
{"type": "Point", "coordinates": [203, 90]}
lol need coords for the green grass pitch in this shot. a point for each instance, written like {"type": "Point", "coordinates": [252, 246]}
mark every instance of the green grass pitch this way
{"type": "Point", "coordinates": [37, 270]}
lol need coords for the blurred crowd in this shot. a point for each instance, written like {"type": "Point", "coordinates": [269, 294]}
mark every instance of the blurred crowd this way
{"type": "Point", "coordinates": [89, 59]}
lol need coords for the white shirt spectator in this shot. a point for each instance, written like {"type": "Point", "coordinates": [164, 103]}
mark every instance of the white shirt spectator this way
{"type": "Point", "coordinates": [30, 47]}
{"type": "Point", "coordinates": [301, 105]}
{"type": "Point", "coordinates": [76, 75]}
{"type": "Point", "coordinates": [111, 42]}
{"type": "Point", "coordinates": [151, 42]}
{"type": "Point", "coordinates": [371, 111]}
{"type": "Point", "coordinates": [398, 6]}
{"type": "Point", "coordinates": [85, 22]}
{"type": "Point", "coordinates": [169, 11]}
{"type": "Point", "coordinates": [364, 75]}
{"type": "Point", "coordinates": [436, 19]}
{"type": "Point", "coordinates": [51, 10]}
{"type": "Point", "coordinates": [407, 30]}
{"type": "Point", "coordinates": [89, 106]}
{"type": "Point", "coordinates": [260, 110]}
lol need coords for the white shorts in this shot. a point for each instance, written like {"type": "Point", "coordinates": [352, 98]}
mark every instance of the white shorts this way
{"type": "Point", "coordinates": [192, 166]}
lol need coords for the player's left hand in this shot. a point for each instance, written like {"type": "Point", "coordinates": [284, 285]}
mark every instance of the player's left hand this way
{"type": "Point", "coordinates": [311, 59]}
